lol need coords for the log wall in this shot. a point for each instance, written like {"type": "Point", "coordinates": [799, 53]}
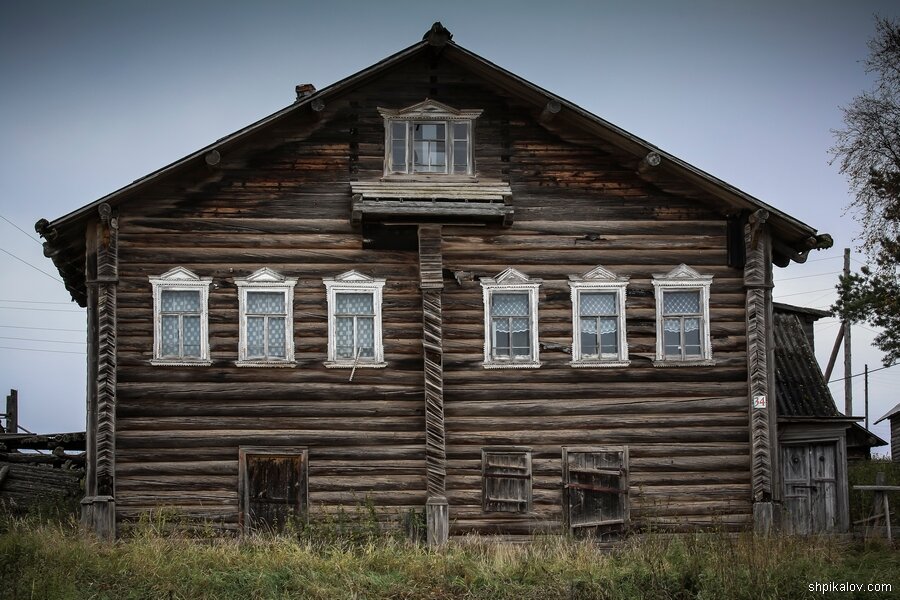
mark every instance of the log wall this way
{"type": "Point", "coordinates": [283, 202]}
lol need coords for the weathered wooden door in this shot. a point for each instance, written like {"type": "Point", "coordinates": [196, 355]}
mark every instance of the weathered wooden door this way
{"type": "Point", "coordinates": [595, 492]}
{"type": "Point", "coordinates": [274, 487]}
{"type": "Point", "coordinates": [810, 488]}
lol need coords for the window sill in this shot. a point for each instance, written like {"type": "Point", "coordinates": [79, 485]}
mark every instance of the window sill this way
{"type": "Point", "coordinates": [340, 364]}
{"type": "Point", "coordinates": [180, 362]}
{"type": "Point", "coordinates": [599, 364]}
{"type": "Point", "coordinates": [521, 364]}
{"type": "Point", "coordinates": [703, 362]}
{"type": "Point", "coordinates": [266, 363]}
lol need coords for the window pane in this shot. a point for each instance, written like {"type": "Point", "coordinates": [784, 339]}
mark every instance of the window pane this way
{"type": "Point", "coordinates": [261, 303]}
{"type": "Point", "coordinates": [672, 337]}
{"type": "Point", "coordinates": [398, 131]}
{"type": "Point", "coordinates": [354, 304]}
{"type": "Point", "coordinates": [460, 156]}
{"type": "Point", "coordinates": [512, 305]}
{"type": "Point", "coordinates": [501, 337]}
{"type": "Point", "coordinates": [365, 336]}
{"type": "Point", "coordinates": [256, 337]}
{"type": "Point", "coordinates": [276, 337]}
{"type": "Point", "coordinates": [595, 304]}
{"type": "Point", "coordinates": [588, 343]}
{"type": "Point", "coordinates": [609, 339]}
{"type": "Point", "coordinates": [521, 337]}
{"type": "Point", "coordinates": [343, 337]}
{"type": "Point", "coordinates": [398, 156]}
{"type": "Point", "coordinates": [170, 336]}
{"type": "Point", "coordinates": [180, 301]}
{"type": "Point", "coordinates": [191, 336]}
{"type": "Point", "coordinates": [681, 303]}
{"type": "Point", "coordinates": [692, 337]}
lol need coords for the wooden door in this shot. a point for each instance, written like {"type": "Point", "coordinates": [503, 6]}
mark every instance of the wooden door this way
{"type": "Point", "coordinates": [274, 487]}
{"type": "Point", "coordinates": [810, 488]}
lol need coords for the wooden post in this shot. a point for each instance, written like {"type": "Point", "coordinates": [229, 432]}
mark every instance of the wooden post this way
{"type": "Point", "coordinates": [866, 379]}
{"type": "Point", "coordinates": [12, 412]}
{"type": "Point", "coordinates": [834, 352]}
{"type": "Point", "coordinates": [431, 282]}
{"type": "Point", "coordinates": [848, 365]}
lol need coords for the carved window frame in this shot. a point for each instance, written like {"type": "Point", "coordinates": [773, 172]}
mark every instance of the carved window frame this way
{"type": "Point", "coordinates": [683, 279]}
{"type": "Point", "coordinates": [180, 279]}
{"type": "Point", "coordinates": [511, 281]}
{"type": "Point", "coordinates": [599, 280]}
{"type": "Point", "coordinates": [354, 282]}
{"type": "Point", "coordinates": [266, 280]}
{"type": "Point", "coordinates": [429, 112]}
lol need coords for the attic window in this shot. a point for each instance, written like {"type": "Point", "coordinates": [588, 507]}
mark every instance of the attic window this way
{"type": "Point", "coordinates": [428, 138]}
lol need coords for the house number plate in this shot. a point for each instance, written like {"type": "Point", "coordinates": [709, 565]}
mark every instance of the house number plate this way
{"type": "Point", "coordinates": [760, 401]}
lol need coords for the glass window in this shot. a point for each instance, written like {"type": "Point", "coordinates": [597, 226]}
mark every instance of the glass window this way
{"type": "Point", "coordinates": [180, 313]}
{"type": "Point", "coordinates": [461, 148]}
{"type": "Point", "coordinates": [398, 146]}
{"type": "Point", "coordinates": [682, 319]}
{"type": "Point", "coordinates": [266, 325]}
{"type": "Point", "coordinates": [429, 148]}
{"type": "Point", "coordinates": [354, 318]}
{"type": "Point", "coordinates": [510, 325]}
{"type": "Point", "coordinates": [599, 324]}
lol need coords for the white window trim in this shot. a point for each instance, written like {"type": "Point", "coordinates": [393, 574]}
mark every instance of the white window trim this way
{"type": "Point", "coordinates": [266, 280]}
{"type": "Point", "coordinates": [598, 279]}
{"type": "Point", "coordinates": [180, 279]}
{"type": "Point", "coordinates": [683, 278]}
{"type": "Point", "coordinates": [349, 283]}
{"type": "Point", "coordinates": [511, 280]}
{"type": "Point", "coordinates": [429, 111]}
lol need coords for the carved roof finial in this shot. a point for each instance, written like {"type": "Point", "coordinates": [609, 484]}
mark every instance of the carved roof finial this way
{"type": "Point", "coordinates": [438, 35]}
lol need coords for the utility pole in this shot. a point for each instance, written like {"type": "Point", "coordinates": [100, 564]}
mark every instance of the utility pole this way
{"type": "Point", "coordinates": [866, 379]}
{"type": "Point", "coordinates": [848, 382]}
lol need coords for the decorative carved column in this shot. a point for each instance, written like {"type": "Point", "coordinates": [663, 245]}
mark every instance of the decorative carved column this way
{"type": "Point", "coordinates": [758, 283]}
{"type": "Point", "coordinates": [431, 282]}
{"type": "Point", "coordinates": [98, 506]}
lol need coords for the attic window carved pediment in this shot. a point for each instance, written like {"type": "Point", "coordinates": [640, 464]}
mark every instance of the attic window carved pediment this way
{"type": "Point", "coordinates": [429, 138]}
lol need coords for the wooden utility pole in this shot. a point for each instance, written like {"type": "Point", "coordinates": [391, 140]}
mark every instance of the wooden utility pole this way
{"type": "Point", "coordinates": [866, 379]}
{"type": "Point", "coordinates": [848, 382]}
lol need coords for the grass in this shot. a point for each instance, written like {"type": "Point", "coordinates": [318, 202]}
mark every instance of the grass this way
{"type": "Point", "coordinates": [44, 558]}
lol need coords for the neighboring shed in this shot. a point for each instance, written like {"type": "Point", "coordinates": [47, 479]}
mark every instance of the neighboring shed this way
{"type": "Point", "coordinates": [815, 439]}
{"type": "Point", "coordinates": [893, 416]}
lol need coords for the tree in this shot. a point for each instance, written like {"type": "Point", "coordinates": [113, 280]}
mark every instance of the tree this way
{"type": "Point", "coordinates": [868, 152]}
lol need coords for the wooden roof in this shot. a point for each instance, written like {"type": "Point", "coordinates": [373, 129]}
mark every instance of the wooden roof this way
{"type": "Point", "coordinates": [793, 239]}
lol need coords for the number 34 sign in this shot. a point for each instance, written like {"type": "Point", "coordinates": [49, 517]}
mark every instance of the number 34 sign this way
{"type": "Point", "coordinates": [760, 401]}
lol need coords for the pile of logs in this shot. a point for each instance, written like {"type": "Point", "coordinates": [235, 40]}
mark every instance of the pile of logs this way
{"type": "Point", "coordinates": [48, 473]}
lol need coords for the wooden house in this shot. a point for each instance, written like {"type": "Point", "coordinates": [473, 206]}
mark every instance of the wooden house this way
{"type": "Point", "coordinates": [431, 285]}
{"type": "Point", "coordinates": [893, 417]}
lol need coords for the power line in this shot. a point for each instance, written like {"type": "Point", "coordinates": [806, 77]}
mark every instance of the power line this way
{"type": "Point", "coordinates": [31, 265]}
{"type": "Point", "coordinates": [806, 292]}
{"type": "Point", "coordinates": [36, 350]}
{"type": "Point", "coordinates": [807, 276]}
{"type": "Point", "coordinates": [37, 340]}
{"type": "Point", "coordinates": [20, 229]}
{"type": "Point", "coordinates": [36, 302]}
{"type": "Point", "coordinates": [65, 310]}
{"type": "Point", "coordinates": [863, 373]}
{"type": "Point", "coordinates": [41, 328]}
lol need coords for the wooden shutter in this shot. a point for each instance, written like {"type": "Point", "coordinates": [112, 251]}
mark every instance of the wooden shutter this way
{"type": "Point", "coordinates": [596, 486]}
{"type": "Point", "coordinates": [506, 477]}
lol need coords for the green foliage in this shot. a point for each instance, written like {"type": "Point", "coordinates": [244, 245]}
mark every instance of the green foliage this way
{"type": "Point", "coordinates": [868, 151]}
{"type": "Point", "coordinates": [53, 560]}
{"type": "Point", "coordinates": [862, 472]}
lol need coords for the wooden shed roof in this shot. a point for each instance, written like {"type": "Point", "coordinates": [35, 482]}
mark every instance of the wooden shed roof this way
{"type": "Point", "coordinates": [793, 239]}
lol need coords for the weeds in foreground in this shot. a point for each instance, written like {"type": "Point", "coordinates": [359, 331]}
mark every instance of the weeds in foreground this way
{"type": "Point", "coordinates": [43, 559]}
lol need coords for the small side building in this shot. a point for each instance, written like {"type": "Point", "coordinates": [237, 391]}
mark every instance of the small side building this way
{"type": "Point", "coordinates": [893, 416]}
{"type": "Point", "coordinates": [815, 439]}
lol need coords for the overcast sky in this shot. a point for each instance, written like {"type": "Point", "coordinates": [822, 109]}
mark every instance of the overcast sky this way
{"type": "Point", "coordinates": [97, 94]}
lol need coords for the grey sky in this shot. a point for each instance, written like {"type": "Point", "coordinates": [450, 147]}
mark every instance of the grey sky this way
{"type": "Point", "coordinates": [97, 94]}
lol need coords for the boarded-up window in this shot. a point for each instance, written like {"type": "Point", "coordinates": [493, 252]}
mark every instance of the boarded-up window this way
{"type": "Point", "coordinates": [272, 487]}
{"type": "Point", "coordinates": [596, 486]}
{"type": "Point", "coordinates": [506, 475]}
